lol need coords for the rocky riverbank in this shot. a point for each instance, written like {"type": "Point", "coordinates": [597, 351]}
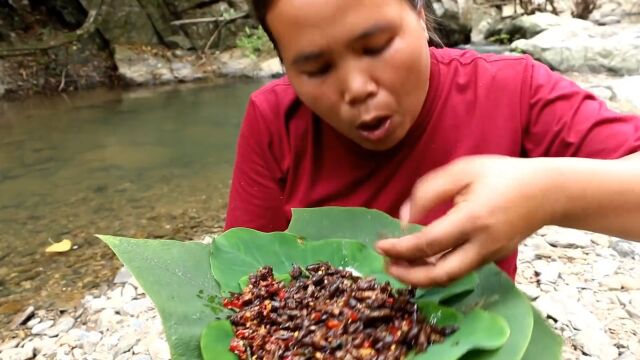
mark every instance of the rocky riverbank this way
{"type": "Point", "coordinates": [586, 284]}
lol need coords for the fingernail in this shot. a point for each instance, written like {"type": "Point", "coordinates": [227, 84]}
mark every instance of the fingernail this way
{"type": "Point", "coordinates": [405, 213]}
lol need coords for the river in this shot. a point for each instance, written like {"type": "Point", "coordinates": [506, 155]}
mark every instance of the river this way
{"type": "Point", "coordinates": [146, 163]}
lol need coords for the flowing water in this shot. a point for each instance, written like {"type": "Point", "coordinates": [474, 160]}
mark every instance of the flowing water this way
{"type": "Point", "coordinates": [145, 163]}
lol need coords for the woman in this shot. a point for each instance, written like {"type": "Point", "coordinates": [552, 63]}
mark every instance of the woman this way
{"type": "Point", "coordinates": [483, 149]}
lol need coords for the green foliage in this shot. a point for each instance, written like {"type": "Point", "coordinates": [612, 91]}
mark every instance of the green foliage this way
{"type": "Point", "coordinates": [503, 39]}
{"type": "Point", "coordinates": [492, 314]}
{"type": "Point", "coordinates": [254, 41]}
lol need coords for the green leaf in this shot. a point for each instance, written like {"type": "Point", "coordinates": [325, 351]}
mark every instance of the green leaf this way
{"type": "Point", "coordinates": [334, 222]}
{"type": "Point", "coordinates": [215, 341]}
{"type": "Point", "coordinates": [497, 294]}
{"type": "Point", "coordinates": [478, 330]}
{"type": "Point", "coordinates": [545, 343]}
{"type": "Point", "coordinates": [462, 286]}
{"type": "Point", "coordinates": [242, 251]}
{"type": "Point", "coordinates": [437, 314]}
{"type": "Point", "coordinates": [177, 278]}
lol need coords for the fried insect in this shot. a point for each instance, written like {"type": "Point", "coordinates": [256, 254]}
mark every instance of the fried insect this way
{"type": "Point", "coordinates": [327, 313]}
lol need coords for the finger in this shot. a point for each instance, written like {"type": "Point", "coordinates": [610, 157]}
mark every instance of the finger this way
{"type": "Point", "coordinates": [445, 233]}
{"type": "Point", "coordinates": [451, 267]}
{"type": "Point", "coordinates": [435, 188]}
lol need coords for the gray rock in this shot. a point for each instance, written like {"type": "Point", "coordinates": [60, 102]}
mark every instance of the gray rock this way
{"type": "Point", "coordinates": [626, 249]}
{"type": "Point", "coordinates": [599, 49]}
{"type": "Point", "coordinates": [128, 293]}
{"type": "Point", "coordinates": [9, 344]}
{"type": "Point", "coordinates": [135, 307]}
{"type": "Point", "coordinates": [108, 344]}
{"type": "Point", "coordinates": [568, 238]}
{"type": "Point", "coordinates": [529, 26]}
{"type": "Point", "coordinates": [596, 342]}
{"type": "Point", "coordinates": [609, 20]}
{"type": "Point", "coordinates": [604, 268]}
{"type": "Point", "coordinates": [530, 290]}
{"type": "Point", "coordinates": [122, 276]}
{"type": "Point", "coordinates": [44, 345]}
{"type": "Point", "coordinates": [603, 92]}
{"type": "Point", "coordinates": [548, 272]}
{"type": "Point", "coordinates": [22, 317]}
{"type": "Point", "coordinates": [626, 89]}
{"type": "Point", "coordinates": [142, 68]}
{"type": "Point", "coordinates": [33, 322]}
{"type": "Point", "coordinates": [63, 325]}
{"type": "Point", "coordinates": [40, 328]}
{"type": "Point", "coordinates": [270, 69]}
{"type": "Point", "coordinates": [564, 307]}
{"type": "Point", "coordinates": [141, 357]}
{"type": "Point", "coordinates": [17, 354]}
{"type": "Point", "coordinates": [125, 343]}
{"type": "Point", "coordinates": [159, 350]}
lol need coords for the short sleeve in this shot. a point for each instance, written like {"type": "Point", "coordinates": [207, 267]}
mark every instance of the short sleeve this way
{"type": "Point", "coordinates": [255, 199]}
{"type": "Point", "coordinates": [564, 120]}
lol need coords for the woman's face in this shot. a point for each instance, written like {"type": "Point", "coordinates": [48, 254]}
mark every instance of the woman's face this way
{"type": "Point", "coordinates": [361, 65]}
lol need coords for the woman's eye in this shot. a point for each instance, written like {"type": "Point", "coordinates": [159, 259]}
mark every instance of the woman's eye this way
{"type": "Point", "coordinates": [322, 70]}
{"type": "Point", "coordinates": [376, 50]}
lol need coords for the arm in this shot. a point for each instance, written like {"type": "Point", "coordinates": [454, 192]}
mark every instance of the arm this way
{"type": "Point", "coordinates": [599, 195]}
{"type": "Point", "coordinates": [256, 199]}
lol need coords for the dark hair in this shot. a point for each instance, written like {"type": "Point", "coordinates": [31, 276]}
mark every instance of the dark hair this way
{"type": "Point", "coordinates": [260, 8]}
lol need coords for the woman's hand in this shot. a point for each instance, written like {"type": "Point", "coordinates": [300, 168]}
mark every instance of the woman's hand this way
{"type": "Point", "coordinates": [497, 202]}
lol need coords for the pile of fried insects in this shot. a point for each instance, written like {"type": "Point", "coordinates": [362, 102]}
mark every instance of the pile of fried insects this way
{"type": "Point", "coordinates": [327, 313]}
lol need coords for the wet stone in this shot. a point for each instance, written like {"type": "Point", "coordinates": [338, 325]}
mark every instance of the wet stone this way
{"type": "Point", "coordinates": [40, 328]}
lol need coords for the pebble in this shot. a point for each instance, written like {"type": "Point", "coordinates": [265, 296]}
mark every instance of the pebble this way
{"type": "Point", "coordinates": [63, 325]}
{"type": "Point", "coordinates": [159, 350]}
{"type": "Point", "coordinates": [568, 238]}
{"type": "Point", "coordinates": [40, 328]}
{"type": "Point", "coordinates": [626, 249]}
{"type": "Point", "coordinates": [630, 283]}
{"type": "Point", "coordinates": [9, 344]}
{"type": "Point", "coordinates": [596, 342]}
{"type": "Point", "coordinates": [123, 276]}
{"type": "Point", "coordinates": [17, 354]}
{"type": "Point", "coordinates": [33, 322]}
{"type": "Point", "coordinates": [604, 268]}
{"type": "Point", "coordinates": [532, 291]}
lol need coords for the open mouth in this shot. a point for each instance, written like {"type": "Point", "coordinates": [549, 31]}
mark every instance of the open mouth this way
{"type": "Point", "coordinates": [376, 128]}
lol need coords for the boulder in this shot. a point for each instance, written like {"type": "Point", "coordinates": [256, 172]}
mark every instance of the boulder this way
{"type": "Point", "coordinates": [528, 26]}
{"type": "Point", "coordinates": [138, 66]}
{"type": "Point", "coordinates": [608, 49]}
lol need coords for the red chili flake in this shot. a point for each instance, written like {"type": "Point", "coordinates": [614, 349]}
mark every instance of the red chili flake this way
{"type": "Point", "coordinates": [389, 301]}
{"type": "Point", "coordinates": [237, 347]}
{"type": "Point", "coordinates": [242, 334]}
{"type": "Point", "coordinates": [393, 330]}
{"type": "Point", "coordinates": [333, 324]}
{"type": "Point", "coordinates": [353, 316]}
{"type": "Point", "coordinates": [366, 344]}
{"type": "Point", "coordinates": [232, 303]}
{"type": "Point", "coordinates": [282, 294]}
{"type": "Point", "coordinates": [316, 316]}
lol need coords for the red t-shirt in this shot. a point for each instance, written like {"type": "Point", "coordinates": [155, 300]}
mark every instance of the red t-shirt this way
{"type": "Point", "coordinates": [476, 104]}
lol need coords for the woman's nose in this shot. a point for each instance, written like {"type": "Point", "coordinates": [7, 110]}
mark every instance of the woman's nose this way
{"type": "Point", "coordinates": [358, 86]}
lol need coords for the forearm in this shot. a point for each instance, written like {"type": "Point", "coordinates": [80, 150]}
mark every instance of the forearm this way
{"type": "Point", "coordinates": [597, 195]}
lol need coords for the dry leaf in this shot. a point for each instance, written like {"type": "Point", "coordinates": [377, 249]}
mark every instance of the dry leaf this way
{"type": "Point", "coordinates": [62, 246]}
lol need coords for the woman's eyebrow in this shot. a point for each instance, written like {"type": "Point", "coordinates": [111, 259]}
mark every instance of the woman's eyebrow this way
{"type": "Point", "coordinates": [373, 30]}
{"type": "Point", "coordinates": [307, 57]}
